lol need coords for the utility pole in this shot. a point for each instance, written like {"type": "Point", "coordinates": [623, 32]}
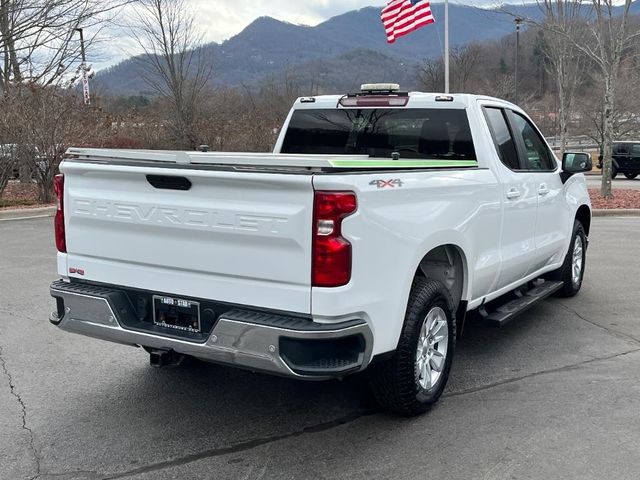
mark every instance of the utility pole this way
{"type": "Point", "coordinates": [84, 69]}
{"type": "Point", "coordinates": [446, 46]}
{"type": "Point", "coordinates": [519, 21]}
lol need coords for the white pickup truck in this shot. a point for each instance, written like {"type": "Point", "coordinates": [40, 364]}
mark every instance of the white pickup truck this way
{"type": "Point", "coordinates": [380, 222]}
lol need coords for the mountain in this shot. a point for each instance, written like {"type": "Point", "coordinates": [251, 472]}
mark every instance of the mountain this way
{"type": "Point", "coordinates": [348, 71]}
{"type": "Point", "coordinates": [339, 50]}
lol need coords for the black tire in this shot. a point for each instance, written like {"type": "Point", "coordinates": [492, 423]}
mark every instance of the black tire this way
{"type": "Point", "coordinates": [394, 382]}
{"type": "Point", "coordinates": [631, 176]}
{"type": "Point", "coordinates": [570, 287]}
{"type": "Point", "coordinates": [614, 172]}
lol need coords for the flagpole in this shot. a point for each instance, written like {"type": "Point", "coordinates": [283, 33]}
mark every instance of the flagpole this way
{"type": "Point", "coordinates": [446, 46]}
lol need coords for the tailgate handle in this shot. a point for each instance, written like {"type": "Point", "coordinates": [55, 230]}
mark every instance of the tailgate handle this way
{"type": "Point", "coordinates": [165, 182]}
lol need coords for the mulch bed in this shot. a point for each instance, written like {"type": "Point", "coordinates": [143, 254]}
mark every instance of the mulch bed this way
{"type": "Point", "coordinates": [621, 199]}
{"type": "Point", "coordinates": [19, 195]}
{"type": "Point", "coordinates": [20, 191]}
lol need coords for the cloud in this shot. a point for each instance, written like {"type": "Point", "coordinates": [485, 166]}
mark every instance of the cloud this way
{"type": "Point", "coordinates": [225, 18]}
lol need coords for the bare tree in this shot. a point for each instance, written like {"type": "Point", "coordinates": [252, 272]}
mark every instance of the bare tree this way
{"type": "Point", "coordinates": [464, 61]}
{"type": "Point", "coordinates": [7, 163]}
{"type": "Point", "coordinates": [41, 123]}
{"type": "Point", "coordinates": [431, 75]}
{"type": "Point", "coordinates": [610, 38]}
{"type": "Point", "coordinates": [174, 61]}
{"type": "Point", "coordinates": [625, 116]}
{"type": "Point", "coordinates": [38, 43]}
{"type": "Point", "coordinates": [565, 62]}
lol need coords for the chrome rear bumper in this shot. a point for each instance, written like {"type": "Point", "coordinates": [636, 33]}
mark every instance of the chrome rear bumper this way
{"type": "Point", "coordinates": [251, 340]}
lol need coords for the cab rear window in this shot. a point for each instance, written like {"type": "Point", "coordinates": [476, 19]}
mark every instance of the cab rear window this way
{"type": "Point", "coordinates": [412, 133]}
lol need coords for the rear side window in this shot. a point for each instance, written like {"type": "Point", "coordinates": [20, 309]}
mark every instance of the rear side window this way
{"type": "Point", "coordinates": [502, 138]}
{"type": "Point", "coordinates": [379, 132]}
{"type": "Point", "coordinates": [635, 149]}
{"type": "Point", "coordinates": [620, 149]}
{"type": "Point", "coordinates": [537, 156]}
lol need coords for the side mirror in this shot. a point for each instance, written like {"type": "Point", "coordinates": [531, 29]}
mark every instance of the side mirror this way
{"type": "Point", "coordinates": [576, 163]}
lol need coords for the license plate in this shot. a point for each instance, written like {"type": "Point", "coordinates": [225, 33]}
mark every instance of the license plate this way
{"type": "Point", "coordinates": [176, 313]}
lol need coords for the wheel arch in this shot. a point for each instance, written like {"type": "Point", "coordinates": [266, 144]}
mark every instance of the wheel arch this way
{"type": "Point", "coordinates": [448, 264]}
{"type": "Point", "coordinates": [583, 215]}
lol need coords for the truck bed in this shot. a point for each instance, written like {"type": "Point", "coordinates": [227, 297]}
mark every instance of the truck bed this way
{"type": "Point", "coordinates": [259, 161]}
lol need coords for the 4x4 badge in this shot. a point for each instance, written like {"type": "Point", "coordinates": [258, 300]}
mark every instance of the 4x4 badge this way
{"type": "Point", "coordinates": [393, 183]}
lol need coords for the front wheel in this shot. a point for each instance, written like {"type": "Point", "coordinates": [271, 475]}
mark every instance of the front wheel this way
{"type": "Point", "coordinates": [572, 271]}
{"type": "Point", "coordinates": [631, 176]}
{"type": "Point", "coordinates": [414, 378]}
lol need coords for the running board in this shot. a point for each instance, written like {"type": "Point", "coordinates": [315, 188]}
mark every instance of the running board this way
{"type": "Point", "coordinates": [526, 299]}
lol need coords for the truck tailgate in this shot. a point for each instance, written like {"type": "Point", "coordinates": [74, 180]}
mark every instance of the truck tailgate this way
{"type": "Point", "coordinates": [241, 237]}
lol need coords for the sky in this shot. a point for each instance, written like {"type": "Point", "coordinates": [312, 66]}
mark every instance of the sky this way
{"type": "Point", "coordinates": [219, 20]}
{"type": "Point", "coordinates": [224, 18]}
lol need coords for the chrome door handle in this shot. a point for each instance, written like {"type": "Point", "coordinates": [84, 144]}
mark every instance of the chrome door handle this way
{"type": "Point", "coordinates": [513, 193]}
{"type": "Point", "coordinates": [543, 189]}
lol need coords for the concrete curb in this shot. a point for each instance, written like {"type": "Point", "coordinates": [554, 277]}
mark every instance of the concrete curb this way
{"type": "Point", "coordinates": [24, 213]}
{"type": "Point", "coordinates": [617, 212]}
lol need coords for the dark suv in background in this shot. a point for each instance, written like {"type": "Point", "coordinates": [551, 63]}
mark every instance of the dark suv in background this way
{"type": "Point", "coordinates": [626, 159]}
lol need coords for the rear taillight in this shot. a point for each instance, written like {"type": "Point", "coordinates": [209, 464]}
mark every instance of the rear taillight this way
{"type": "Point", "coordinates": [331, 251]}
{"type": "Point", "coordinates": [61, 241]}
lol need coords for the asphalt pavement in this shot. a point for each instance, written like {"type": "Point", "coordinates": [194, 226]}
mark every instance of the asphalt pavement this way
{"type": "Point", "coordinates": [556, 394]}
{"type": "Point", "coordinates": [594, 181]}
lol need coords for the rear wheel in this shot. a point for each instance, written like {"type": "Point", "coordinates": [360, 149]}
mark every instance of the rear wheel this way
{"type": "Point", "coordinates": [614, 171]}
{"type": "Point", "coordinates": [414, 378]}
{"type": "Point", "coordinates": [631, 176]}
{"type": "Point", "coordinates": [572, 271]}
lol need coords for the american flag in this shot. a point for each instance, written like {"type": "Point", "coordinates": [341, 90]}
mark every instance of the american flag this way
{"type": "Point", "coordinates": [401, 17]}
